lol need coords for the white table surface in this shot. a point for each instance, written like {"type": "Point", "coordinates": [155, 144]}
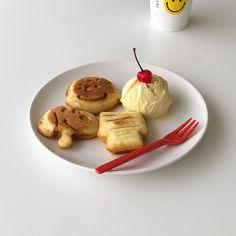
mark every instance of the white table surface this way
{"type": "Point", "coordinates": [42, 195]}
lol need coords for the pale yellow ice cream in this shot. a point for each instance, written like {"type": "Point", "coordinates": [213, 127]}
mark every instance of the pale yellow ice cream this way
{"type": "Point", "coordinates": [150, 99]}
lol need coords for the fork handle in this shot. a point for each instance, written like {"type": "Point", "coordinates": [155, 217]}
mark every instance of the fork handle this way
{"type": "Point", "coordinates": [129, 156]}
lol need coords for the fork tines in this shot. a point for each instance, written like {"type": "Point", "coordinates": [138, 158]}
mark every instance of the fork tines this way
{"type": "Point", "coordinates": [186, 128]}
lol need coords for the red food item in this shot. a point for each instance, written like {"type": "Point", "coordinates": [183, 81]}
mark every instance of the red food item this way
{"type": "Point", "coordinates": [144, 76]}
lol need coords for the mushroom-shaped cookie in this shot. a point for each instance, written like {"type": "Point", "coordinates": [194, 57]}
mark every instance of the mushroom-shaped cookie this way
{"type": "Point", "coordinates": [92, 94]}
{"type": "Point", "coordinates": [68, 124]}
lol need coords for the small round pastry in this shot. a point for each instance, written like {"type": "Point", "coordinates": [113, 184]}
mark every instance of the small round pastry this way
{"type": "Point", "coordinates": [68, 124]}
{"type": "Point", "coordinates": [92, 94]}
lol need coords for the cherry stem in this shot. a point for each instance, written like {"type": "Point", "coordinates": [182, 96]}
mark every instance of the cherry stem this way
{"type": "Point", "coordinates": [134, 49]}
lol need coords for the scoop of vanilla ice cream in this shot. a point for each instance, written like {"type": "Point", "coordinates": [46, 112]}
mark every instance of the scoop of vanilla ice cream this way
{"type": "Point", "coordinates": [150, 99]}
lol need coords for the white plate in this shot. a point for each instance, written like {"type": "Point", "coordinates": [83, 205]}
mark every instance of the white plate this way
{"type": "Point", "coordinates": [87, 154]}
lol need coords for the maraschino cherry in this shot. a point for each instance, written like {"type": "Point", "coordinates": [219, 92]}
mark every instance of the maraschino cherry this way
{"type": "Point", "coordinates": [144, 76]}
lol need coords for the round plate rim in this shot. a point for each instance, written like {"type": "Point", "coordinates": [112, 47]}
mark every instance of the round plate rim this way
{"type": "Point", "coordinates": [122, 172]}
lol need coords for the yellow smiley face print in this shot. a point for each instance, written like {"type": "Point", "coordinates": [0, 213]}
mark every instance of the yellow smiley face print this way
{"type": "Point", "coordinates": [175, 6]}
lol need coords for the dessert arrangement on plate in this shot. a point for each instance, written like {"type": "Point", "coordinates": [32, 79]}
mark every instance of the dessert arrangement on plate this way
{"type": "Point", "coordinates": [108, 107]}
{"type": "Point", "coordinates": [87, 111]}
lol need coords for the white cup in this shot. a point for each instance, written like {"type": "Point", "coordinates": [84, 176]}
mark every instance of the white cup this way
{"type": "Point", "coordinates": [170, 15]}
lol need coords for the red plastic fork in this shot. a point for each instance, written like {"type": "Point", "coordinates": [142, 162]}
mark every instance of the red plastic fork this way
{"type": "Point", "coordinates": [175, 137]}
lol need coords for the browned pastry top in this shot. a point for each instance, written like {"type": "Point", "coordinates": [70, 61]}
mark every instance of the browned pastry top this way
{"type": "Point", "coordinates": [93, 88]}
{"type": "Point", "coordinates": [68, 118]}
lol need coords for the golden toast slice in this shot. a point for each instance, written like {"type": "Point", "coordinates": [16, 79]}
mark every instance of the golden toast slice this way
{"type": "Point", "coordinates": [122, 131]}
